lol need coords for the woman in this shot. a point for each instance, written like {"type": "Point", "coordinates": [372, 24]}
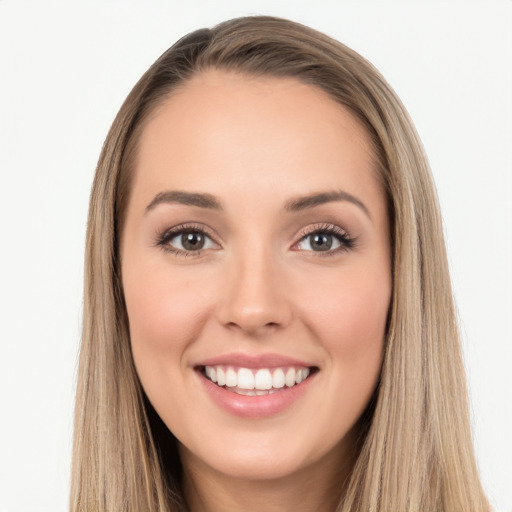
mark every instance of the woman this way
{"type": "Point", "coordinates": [268, 319]}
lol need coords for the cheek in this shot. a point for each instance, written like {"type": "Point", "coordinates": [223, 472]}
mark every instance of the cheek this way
{"type": "Point", "coordinates": [166, 312]}
{"type": "Point", "coordinates": [351, 306]}
{"type": "Point", "coordinates": [349, 319]}
{"type": "Point", "coordinates": [346, 314]}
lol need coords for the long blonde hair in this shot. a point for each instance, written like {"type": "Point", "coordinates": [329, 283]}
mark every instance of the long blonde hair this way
{"type": "Point", "coordinates": [416, 450]}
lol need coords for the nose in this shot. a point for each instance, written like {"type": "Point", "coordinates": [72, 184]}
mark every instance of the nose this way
{"type": "Point", "coordinates": [255, 299]}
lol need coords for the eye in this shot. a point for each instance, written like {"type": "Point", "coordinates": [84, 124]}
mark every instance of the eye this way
{"type": "Point", "coordinates": [327, 239]}
{"type": "Point", "coordinates": [184, 240]}
{"type": "Point", "coordinates": [191, 241]}
{"type": "Point", "coordinates": [319, 242]}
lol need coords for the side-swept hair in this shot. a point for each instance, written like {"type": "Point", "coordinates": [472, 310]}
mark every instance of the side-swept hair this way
{"type": "Point", "coordinates": [416, 450]}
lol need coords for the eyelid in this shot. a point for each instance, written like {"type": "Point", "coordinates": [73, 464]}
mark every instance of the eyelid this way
{"type": "Point", "coordinates": [162, 238]}
{"type": "Point", "coordinates": [318, 227]}
{"type": "Point", "coordinates": [347, 242]}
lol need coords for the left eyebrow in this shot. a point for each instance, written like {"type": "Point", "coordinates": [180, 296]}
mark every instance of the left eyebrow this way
{"type": "Point", "coordinates": [298, 204]}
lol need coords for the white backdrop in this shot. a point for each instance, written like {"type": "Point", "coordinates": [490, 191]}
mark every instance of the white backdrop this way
{"type": "Point", "coordinates": [65, 68]}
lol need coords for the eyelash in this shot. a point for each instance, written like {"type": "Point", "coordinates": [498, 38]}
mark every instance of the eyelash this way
{"type": "Point", "coordinates": [346, 242]}
{"type": "Point", "coordinates": [162, 240]}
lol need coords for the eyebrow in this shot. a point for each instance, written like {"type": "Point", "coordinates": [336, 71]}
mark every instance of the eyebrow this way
{"type": "Point", "coordinates": [188, 198]}
{"type": "Point", "coordinates": [296, 204]}
{"type": "Point", "coordinates": [310, 201]}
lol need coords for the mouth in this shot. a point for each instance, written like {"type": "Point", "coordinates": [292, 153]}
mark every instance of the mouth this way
{"type": "Point", "coordinates": [257, 381]}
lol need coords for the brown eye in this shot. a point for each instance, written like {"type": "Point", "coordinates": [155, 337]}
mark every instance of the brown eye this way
{"type": "Point", "coordinates": [192, 241]}
{"type": "Point", "coordinates": [320, 242]}
{"type": "Point", "coordinates": [187, 241]}
{"type": "Point", "coordinates": [328, 239]}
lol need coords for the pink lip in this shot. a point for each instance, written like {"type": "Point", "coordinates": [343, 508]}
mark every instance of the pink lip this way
{"type": "Point", "coordinates": [254, 407]}
{"type": "Point", "coordinates": [253, 361]}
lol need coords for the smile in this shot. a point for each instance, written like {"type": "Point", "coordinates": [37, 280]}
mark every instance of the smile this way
{"type": "Point", "coordinates": [256, 382]}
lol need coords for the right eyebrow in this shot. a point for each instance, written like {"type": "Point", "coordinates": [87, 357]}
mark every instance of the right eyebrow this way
{"type": "Point", "coordinates": [188, 198]}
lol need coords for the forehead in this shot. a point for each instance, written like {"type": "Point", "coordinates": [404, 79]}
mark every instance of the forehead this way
{"type": "Point", "coordinates": [222, 128]}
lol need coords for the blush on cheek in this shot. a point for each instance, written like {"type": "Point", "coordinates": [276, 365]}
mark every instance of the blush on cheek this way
{"type": "Point", "coordinates": [162, 322]}
{"type": "Point", "coordinates": [353, 317]}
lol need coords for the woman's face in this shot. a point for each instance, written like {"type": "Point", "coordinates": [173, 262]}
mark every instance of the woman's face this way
{"type": "Point", "coordinates": [256, 253]}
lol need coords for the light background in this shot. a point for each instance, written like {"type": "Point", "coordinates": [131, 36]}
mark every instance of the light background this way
{"type": "Point", "coordinates": [65, 68]}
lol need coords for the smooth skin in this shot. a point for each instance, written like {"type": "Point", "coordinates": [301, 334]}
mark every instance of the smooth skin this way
{"type": "Point", "coordinates": [261, 283]}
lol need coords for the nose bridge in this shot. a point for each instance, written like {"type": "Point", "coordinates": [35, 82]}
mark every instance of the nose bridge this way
{"type": "Point", "coordinates": [255, 296]}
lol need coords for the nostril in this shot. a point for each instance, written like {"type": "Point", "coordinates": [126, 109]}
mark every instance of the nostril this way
{"type": "Point", "coordinates": [253, 325]}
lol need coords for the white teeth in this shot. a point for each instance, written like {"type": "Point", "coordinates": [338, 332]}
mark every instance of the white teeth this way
{"type": "Point", "coordinates": [278, 379]}
{"type": "Point", "coordinates": [221, 377]}
{"type": "Point", "coordinates": [246, 392]}
{"type": "Point", "coordinates": [263, 379]}
{"type": "Point", "coordinates": [231, 378]}
{"type": "Point", "coordinates": [253, 382]}
{"type": "Point", "coordinates": [211, 373]}
{"type": "Point", "coordinates": [290, 377]}
{"type": "Point", "coordinates": [245, 379]}
{"type": "Point", "coordinates": [301, 375]}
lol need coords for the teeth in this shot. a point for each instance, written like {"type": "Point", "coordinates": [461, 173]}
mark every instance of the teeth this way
{"type": "Point", "coordinates": [253, 382]}
{"type": "Point", "coordinates": [245, 379]}
{"type": "Point", "coordinates": [290, 377]}
{"type": "Point", "coordinates": [263, 379]}
{"type": "Point", "coordinates": [221, 377]}
{"type": "Point", "coordinates": [301, 375]}
{"type": "Point", "coordinates": [231, 378]}
{"type": "Point", "coordinates": [211, 373]}
{"type": "Point", "coordinates": [247, 392]}
{"type": "Point", "coordinates": [278, 379]}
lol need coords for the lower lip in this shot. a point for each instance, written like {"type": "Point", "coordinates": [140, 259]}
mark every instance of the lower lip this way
{"type": "Point", "coordinates": [262, 406]}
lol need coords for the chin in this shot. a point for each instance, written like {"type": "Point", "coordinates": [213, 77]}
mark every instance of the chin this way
{"type": "Point", "coordinates": [260, 456]}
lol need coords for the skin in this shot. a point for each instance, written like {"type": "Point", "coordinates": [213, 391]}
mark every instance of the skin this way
{"type": "Point", "coordinates": [258, 286]}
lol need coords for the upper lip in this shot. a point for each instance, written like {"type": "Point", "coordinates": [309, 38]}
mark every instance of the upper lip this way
{"type": "Point", "coordinates": [268, 360]}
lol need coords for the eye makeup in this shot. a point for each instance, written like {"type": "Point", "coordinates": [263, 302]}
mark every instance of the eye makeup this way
{"type": "Point", "coordinates": [193, 239]}
{"type": "Point", "coordinates": [322, 237]}
{"type": "Point", "coordinates": [190, 239]}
